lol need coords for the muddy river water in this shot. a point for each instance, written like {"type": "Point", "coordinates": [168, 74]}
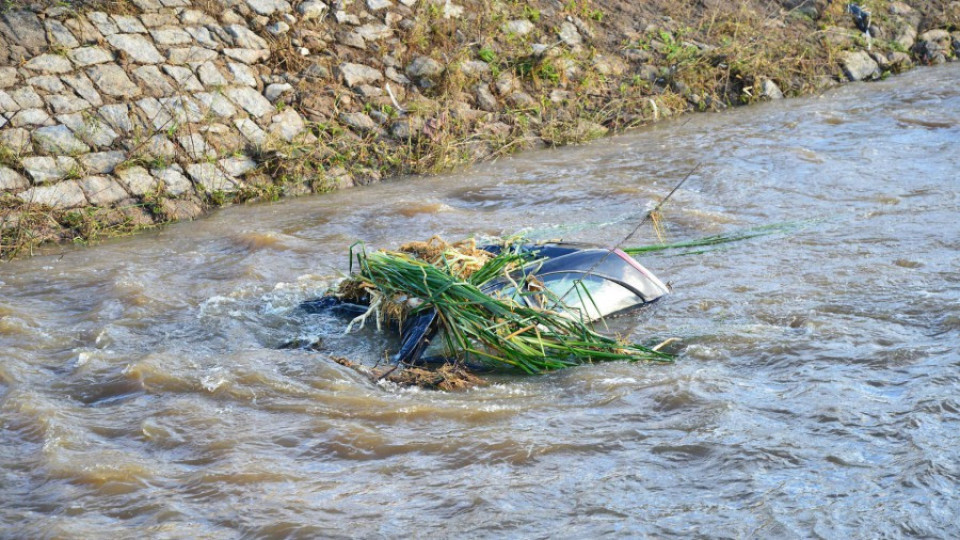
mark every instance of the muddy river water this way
{"type": "Point", "coordinates": [816, 391]}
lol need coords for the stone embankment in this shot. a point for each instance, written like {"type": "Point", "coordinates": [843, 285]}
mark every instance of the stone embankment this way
{"type": "Point", "coordinates": [122, 114]}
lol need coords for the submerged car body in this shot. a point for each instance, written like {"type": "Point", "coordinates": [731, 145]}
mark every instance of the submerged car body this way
{"type": "Point", "coordinates": [576, 280]}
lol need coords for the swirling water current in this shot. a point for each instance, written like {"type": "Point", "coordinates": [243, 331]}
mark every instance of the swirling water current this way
{"type": "Point", "coordinates": [816, 391]}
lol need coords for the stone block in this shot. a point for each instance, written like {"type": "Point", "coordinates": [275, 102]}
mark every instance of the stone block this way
{"type": "Point", "coordinates": [117, 116]}
{"type": "Point", "coordinates": [85, 32]}
{"type": "Point", "coordinates": [30, 117]}
{"type": "Point", "coordinates": [8, 76]}
{"type": "Point", "coordinates": [210, 75]}
{"type": "Point", "coordinates": [183, 109]}
{"type": "Point", "coordinates": [374, 31]}
{"type": "Point", "coordinates": [216, 103]}
{"type": "Point", "coordinates": [103, 22]}
{"type": "Point", "coordinates": [43, 169]}
{"type": "Point", "coordinates": [102, 162]}
{"type": "Point", "coordinates": [112, 80]}
{"type": "Point", "coordinates": [66, 103]}
{"type": "Point", "coordinates": [102, 190]}
{"type": "Point", "coordinates": [244, 38]}
{"type": "Point", "coordinates": [137, 181]}
{"type": "Point", "coordinates": [27, 98]}
{"type": "Point", "coordinates": [569, 34]}
{"type": "Point", "coordinates": [476, 68]}
{"type": "Point", "coordinates": [204, 37]}
{"type": "Point", "coordinates": [210, 177]}
{"type": "Point", "coordinates": [275, 91]}
{"type": "Point", "coordinates": [358, 121]}
{"type": "Point", "coordinates": [47, 83]}
{"type": "Point", "coordinates": [137, 47]}
{"type": "Point", "coordinates": [269, 7]}
{"type": "Point", "coordinates": [16, 140]}
{"type": "Point", "coordinates": [88, 56]}
{"type": "Point", "coordinates": [357, 74]}
{"type": "Point", "coordinates": [250, 100]}
{"type": "Point", "coordinates": [195, 17]}
{"type": "Point", "coordinates": [237, 166]}
{"type": "Point", "coordinates": [184, 78]}
{"type": "Point", "coordinates": [195, 146]}
{"type": "Point", "coordinates": [424, 67]}
{"type": "Point", "coordinates": [155, 114]}
{"type": "Point", "coordinates": [129, 24]}
{"type": "Point", "coordinates": [519, 27]}
{"type": "Point", "coordinates": [224, 139]}
{"type": "Point", "coordinates": [153, 82]}
{"type": "Point", "coordinates": [174, 182]}
{"type": "Point", "coordinates": [247, 56]}
{"type": "Point", "coordinates": [148, 5]}
{"type": "Point", "coordinates": [352, 39]}
{"type": "Point", "coordinates": [61, 195]}
{"type": "Point", "coordinates": [190, 55]}
{"type": "Point", "coordinates": [278, 28]}
{"type": "Point", "coordinates": [158, 147]}
{"type": "Point", "coordinates": [251, 131]}
{"type": "Point", "coordinates": [343, 17]}
{"type": "Point", "coordinates": [58, 34]}
{"type": "Point", "coordinates": [11, 180]}
{"type": "Point", "coordinates": [243, 74]}
{"type": "Point", "coordinates": [857, 65]}
{"type": "Point", "coordinates": [7, 103]}
{"type": "Point", "coordinates": [170, 36]}
{"type": "Point", "coordinates": [89, 129]}
{"type": "Point", "coordinates": [312, 9]}
{"type": "Point", "coordinates": [84, 88]}
{"type": "Point", "coordinates": [770, 89]}
{"type": "Point", "coordinates": [287, 125]}
{"type": "Point", "coordinates": [49, 63]}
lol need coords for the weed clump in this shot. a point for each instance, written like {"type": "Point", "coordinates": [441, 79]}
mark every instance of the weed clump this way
{"type": "Point", "coordinates": [478, 325]}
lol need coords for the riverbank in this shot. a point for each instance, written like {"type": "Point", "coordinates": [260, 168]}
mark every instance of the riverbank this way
{"type": "Point", "coordinates": [120, 115]}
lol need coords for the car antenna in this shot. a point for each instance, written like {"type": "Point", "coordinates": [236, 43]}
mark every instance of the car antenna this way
{"type": "Point", "coordinates": [619, 244]}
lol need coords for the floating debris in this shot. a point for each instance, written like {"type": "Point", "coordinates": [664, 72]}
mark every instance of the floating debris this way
{"type": "Point", "coordinates": [509, 306]}
{"type": "Point", "coordinates": [512, 305]}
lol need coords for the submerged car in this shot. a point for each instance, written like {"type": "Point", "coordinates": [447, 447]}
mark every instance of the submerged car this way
{"type": "Point", "coordinates": [581, 281]}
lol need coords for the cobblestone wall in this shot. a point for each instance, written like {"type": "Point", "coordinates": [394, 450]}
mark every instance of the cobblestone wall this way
{"type": "Point", "coordinates": [98, 108]}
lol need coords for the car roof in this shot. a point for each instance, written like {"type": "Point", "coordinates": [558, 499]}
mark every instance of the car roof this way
{"type": "Point", "coordinates": [613, 265]}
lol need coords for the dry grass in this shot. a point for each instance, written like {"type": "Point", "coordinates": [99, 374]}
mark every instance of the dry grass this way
{"type": "Point", "coordinates": [24, 227]}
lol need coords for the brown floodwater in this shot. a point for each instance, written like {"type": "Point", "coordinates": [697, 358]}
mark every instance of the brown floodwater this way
{"type": "Point", "coordinates": [816, 392]}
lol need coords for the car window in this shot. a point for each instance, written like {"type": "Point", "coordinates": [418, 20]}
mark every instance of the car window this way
{"type": "Point", "coordinates": [588, 295]}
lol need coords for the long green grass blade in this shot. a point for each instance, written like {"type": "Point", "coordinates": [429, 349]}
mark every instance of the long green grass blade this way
{"type": "Point", "coordinates": [718, 239]}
